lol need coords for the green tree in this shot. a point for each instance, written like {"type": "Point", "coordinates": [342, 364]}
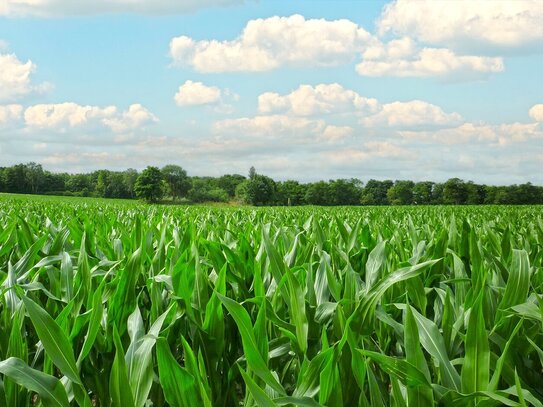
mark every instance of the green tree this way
{"type": "Point", "coordinates": [129, 179]}
{"type": "Point", "coordinates": [291, 193]}
{"type": "Point", "coordinates": [258, 190]}
{"type": "Point", "coordinates": [102, 183]}
{"type": "Point", "coordinates": [206, 190]}
{"type": "Point", "coordinates": [34, 177]}
{"type": "Point", "coordinates": [455, 192]}
{"type": "Point", "coordinates": [375, 192]}
{"type": "Point", "coordinates": [177, 180]}
{"type": "Point", "coordinates": [423, 193]}
{"type": "Point", "coordinates": [401, 193]}
{"type": "Point", "coordinates": [230, 182]}
{"type": "Point", "coordinates": [318, 193]}
{"type": "Point", "coordinates": [345, 191]}
{"type": "Point", "coordinates": [16, 179]}
{"type": "Point", "coordinates": [149, 185]}
{"type": "Point", "coordinates": [475, 194]}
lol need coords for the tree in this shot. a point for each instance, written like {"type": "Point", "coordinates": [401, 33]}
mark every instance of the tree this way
{"type": "Point", "coordinates": [102, 183]}
{"type": "Point", "coordinates": [423, 193]}
{"type": "Point", "coordinates": [34, 176]}
{"type": "Point", "coordinates": [291, 193]}
{"type": "Point", "coordinates": [129, 178]}
{"type": "Point", "coordinates": [345, 191]}
{"type": "Point", "coordinates": [252, 172]}
{"type": "Point", "coordinates": [258, 190]}
{"type": "Point", "coordinates": [149, 185]}
{"type": "Point", "coordinates": [177, 180]}
{"type": "Point", "coordinates": [375, 192]}
{"type": "Point", "coordinates": [475, 194]}
{"type": "Point", "coordinates": [401, 193]}
{"type": "Point", "coordinates": [16, 180]}
{"type": "Point", "coordinates": [318, 193]}
{"type": "Point", "coordinates": [455, 192]}
{"type": "Point", "coordinates": [230, 182]}
{"type": "Point", "coordinates": [206, 190]}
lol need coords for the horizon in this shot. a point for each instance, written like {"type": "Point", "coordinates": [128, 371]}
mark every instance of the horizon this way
{"type": "Point", "coordinates": [300, 90]}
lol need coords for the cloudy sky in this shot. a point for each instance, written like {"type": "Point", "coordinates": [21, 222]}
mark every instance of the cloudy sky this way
{"type": "Point", "coordinates": [303, 90]}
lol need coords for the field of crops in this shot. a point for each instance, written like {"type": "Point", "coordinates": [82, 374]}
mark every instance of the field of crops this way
{"type": "Point", "coordinates": [107, 304]}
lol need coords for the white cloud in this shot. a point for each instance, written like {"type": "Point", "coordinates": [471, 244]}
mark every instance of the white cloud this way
{"type": "Point", "coordinates": [196, 93]}
{"type": "Point", "coordinates": [369, 150]}
{"type": "Point", "coordinates": [470, 133]}
{"type": "Point", "coordinates": [401, 58]}
{"type": "Point", "coordinates": [64, 116]}
{"type": "Point", "coordinates": [136, 116]}
{"type": "Point", "coordinates": [318, 100]}
{"type": "Point", "coordinates": [266, 44]}
{"type": "Point", "coordinates": [51, 8]}
{"type": "Point", "coordinates": [274, 126]}
{"type": "Point", "coordinates": [467, 24]}
{"type": "Point", "coordinates": [336, 134]}
{"type": "Point", "coordinates": [3, 45]}
{"type": "Point", "coordinates": [101, 159]}
{"type": "Point", "coordinates": [324, 99]}
{"type": "Point", "coordinates": [414, 113]}
{"type": "Point", "coordinates": [10, 113]}
{"type": "Point", "coordinates": [277, 132]}
{"type": "Point", "coordinates": [15, 78]}
{"type": "Point", "coordinates": [536, 112]}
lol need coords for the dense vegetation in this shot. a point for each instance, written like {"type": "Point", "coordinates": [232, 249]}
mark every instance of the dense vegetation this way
{"type": "Point", "coordinates": [173, 182]}
{"type": "Point", "coordinates": [130, 305]}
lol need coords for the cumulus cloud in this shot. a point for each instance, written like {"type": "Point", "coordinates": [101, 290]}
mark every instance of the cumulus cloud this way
{"type": "Point", "coordinates": [64, 116]}
{"type": "Point", "coordinates": [497, 25]}
{"type": "Point", "coordinates": [321, 99]}
{"type": "Point", "coordinates": [325, 99]}
{"type": "Point", "coordinates": [196, 93]}
{"type": "Point", "coordinates": [470, 133]}
{"type": "Point", "coordinates": [369, 150]}
{"type": "Point", "coordinates": [402, 58]}
{"type": "Point", "coordinates": [274, 126]}
{"type": "Point", "coordinates": [15, 81]}
{"type": "Point", "coordinates": [135, 117]}
{"type": "Point", "coordinates": [10, 113]}
{"type": "Point", "coordinates": [266, 44]}
{"type": "Point", "coordinates": [536, 112]}
{"type": "Point", "coordinates": [414, 113]}
{"type": "Point", "coordinates": [52, 8]}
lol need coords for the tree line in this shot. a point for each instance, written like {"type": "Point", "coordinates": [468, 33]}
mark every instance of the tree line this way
{"type": "Point", "coordinates": [172, 183]}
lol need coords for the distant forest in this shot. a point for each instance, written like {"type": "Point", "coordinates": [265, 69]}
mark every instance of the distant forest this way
{"type": "Point", "coordinates": [172, 183]}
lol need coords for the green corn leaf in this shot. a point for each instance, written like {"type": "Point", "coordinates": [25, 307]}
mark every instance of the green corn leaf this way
{"type": "Point", "coordinates": [178, 384]}
{"type": "Point", "coordinates": [49, 388]}
{"type": "Point", "coordinates": [250, 346]}
{"type": "Point", "coordinates": [53, 339]}
{"type": "Point", "coordinates": [475, 370]}
{"type": "Point", "coordinates": [119, 386]}
{"type": "Point", "coordinates": [416, 395]}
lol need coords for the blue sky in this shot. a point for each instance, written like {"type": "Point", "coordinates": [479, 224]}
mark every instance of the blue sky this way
{"type": "Point", "coordinates": [300, 89]}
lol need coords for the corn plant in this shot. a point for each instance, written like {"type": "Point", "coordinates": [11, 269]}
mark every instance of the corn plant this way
{"type": "Point", "coordinates": [120, 304]}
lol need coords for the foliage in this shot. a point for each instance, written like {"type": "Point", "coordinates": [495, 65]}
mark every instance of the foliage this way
{"type": "Point", "coordinates": [375, 192]}
{"type": "Point", "coordinates": [32, 179]}
{"type": "Point", "coordinates": [401, 193]}
{"type": "Point", "coordinates": [112, 304]}
{"type": "Point", "coordinates": [206, 190]}
{"type": "Point", "coordinates": [258, 190]}
{"type": "Point", "coordinates": [149, 185]}
{"type": "Point", "coordinates": [177, 180]}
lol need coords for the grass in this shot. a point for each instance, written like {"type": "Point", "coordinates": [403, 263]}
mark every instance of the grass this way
{"type": "Point", "coordinates": [120, 304]}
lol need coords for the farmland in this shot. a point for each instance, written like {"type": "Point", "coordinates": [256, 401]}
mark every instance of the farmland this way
{"type": "Point", "coordinates": [120, 304]}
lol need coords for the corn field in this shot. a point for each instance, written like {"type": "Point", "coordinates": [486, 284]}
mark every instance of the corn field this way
{"type": "Point", "coordinates": [125, 305]}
